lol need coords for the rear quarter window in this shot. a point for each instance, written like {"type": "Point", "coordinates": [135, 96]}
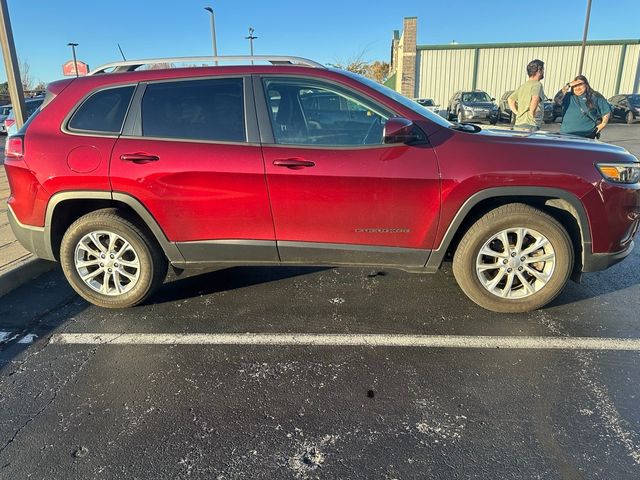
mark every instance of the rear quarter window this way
{"type": "Point", "coordinates": [102, 112]}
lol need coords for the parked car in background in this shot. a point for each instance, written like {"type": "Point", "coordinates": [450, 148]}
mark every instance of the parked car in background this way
{"type": "Point", "coordinates": [430, 105]}
{"type": "Point", "coordinates": [31, 105]}
{"type": "Point", "coordinates": [551, 109]}
{"type": "Point", "coordinates": [120, 175]}
{"type": "Point", "coordinates": [472, 106]}
{"type": "Point", "coordinates": [626, 106]}
{"type": "Point", "coordinates": [4, 113]}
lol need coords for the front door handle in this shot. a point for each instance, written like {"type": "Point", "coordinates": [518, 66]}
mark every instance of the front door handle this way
{"type": "Point", "coordinates": [139, 157]}
{"type": "Point", "coordinates": [293, 163]}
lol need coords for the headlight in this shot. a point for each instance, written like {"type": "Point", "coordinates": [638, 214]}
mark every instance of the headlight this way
{"type": "Point", "coordinates": [620, 172]}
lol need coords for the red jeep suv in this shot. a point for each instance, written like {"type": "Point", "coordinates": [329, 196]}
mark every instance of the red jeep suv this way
{"type": "Point", "coordinates": [127, 170]}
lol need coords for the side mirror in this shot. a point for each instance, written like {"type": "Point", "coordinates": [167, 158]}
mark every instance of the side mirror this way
{"type": "Point", "coordinates": [493, 99]}
{"type": "Point", "coordinates": [401, 130]}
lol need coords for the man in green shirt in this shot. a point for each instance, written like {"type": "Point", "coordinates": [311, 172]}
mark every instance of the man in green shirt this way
{"type": "Point", "coordinates": [527, 102]}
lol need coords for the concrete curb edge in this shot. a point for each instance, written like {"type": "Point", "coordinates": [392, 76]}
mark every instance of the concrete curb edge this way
{"type": "Point", "coordinates": [24, 272]}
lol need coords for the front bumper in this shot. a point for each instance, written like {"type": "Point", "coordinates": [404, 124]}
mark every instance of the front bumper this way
{"type": "Point", "coordinates": [479, 117]}
{"type": "Point", "coordinates": [34, 239]}
{"type": "Point", "coordinates": [595, 262]}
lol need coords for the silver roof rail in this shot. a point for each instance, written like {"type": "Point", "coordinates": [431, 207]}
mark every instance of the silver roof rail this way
{"type": "Point", "coordinates": [131, 65]}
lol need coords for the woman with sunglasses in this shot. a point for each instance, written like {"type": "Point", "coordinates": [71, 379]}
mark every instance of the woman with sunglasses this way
{"type": "Point", "coordinates": [585, 111]}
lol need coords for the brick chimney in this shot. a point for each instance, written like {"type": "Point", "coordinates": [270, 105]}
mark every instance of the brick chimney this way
{"type": "Point", "coordinates": [407, 64]}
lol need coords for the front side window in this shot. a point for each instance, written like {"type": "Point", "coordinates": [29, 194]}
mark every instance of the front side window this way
{"type": "Point", "coordinates": [211, 109]}
{"type": "Point", "coordinates": [311, 113]}
{"type": "Point", "coordinates": [103, 111]}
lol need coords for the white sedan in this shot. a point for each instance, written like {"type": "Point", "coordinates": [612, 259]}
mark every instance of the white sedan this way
{"type": "Point", "coordinates": [430, 105]}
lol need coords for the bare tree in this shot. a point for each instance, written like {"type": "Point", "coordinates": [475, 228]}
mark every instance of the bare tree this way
{"type": "Point", "coordinates": [25, 75]}
{"type": "Point", "coordinates": [378, 71]}
{"type": "Point", "coordinates": [356, 63]}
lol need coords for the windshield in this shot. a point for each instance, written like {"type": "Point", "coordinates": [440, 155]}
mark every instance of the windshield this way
{"type": "Point", "coordinates": [634, 99]}
{"type": "Point", "coordinates": [425, 102]}
{"type": "Point", "coordinates": [401, 99]}
{"type": "Point", "coordinates": [475, 97]}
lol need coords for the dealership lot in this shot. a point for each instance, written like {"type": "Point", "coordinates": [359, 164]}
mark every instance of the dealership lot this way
{"type": "Point", "coordinates": [260, 372]}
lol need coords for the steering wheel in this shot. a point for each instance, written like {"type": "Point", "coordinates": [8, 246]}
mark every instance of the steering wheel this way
{"type": "Point", "coordinates": [376, 122]}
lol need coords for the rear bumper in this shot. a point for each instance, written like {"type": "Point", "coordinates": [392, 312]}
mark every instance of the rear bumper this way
{"type": "Point", "coordinates": [594, 262]}
{"type": "Point", "coordinates": [31, 238]}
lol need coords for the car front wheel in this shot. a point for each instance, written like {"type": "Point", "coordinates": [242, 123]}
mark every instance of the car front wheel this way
{"type": "Point", "coordinates": [515, 258]}
{"type": "Point", "coordinates": [110, 261]}
{"type": "Point", "coordinates": [630, 117]}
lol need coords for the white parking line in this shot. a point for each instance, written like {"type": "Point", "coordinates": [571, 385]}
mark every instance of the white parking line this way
{"type": "Point", "coordinates": [368, 340]}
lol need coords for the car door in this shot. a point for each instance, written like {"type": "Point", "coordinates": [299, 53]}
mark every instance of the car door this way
{"type": "Point", "coordinates": [614, 102]}
{"type": "Point", "coordinates": [339, 195]}
{"type": "Point", "coordinates": [190, 155]}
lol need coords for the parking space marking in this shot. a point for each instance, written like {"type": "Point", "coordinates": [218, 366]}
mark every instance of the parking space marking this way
{"type": "Point", "coordinates": [365, 340]}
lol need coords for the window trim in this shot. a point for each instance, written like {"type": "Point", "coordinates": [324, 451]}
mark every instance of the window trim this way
{"type": "Point", "coordinates": [267, 136]}
{"type": "Point", "coordinates": [133, 124]}
{"type": "Point", "coordinates": [97, 133]}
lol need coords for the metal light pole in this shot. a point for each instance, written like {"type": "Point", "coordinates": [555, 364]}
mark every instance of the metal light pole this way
{"type": "Point", "coordinates": [11, 65]}
{"type": "Point", "coordinates": [584, 37]}
{"type": "Point", "coordinates": [251, 38]}
{"type": "Point", "coordinates": [75, 61]}
{"type": "Point", "coordinates": [213, 32]}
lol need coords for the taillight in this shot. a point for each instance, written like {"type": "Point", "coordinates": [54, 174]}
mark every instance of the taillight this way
{"type": "Point", "coordinates": [14, 147]}
{"type": "Point", "coordinates": [9, 122]}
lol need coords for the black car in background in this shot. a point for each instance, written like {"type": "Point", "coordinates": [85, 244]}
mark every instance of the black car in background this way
{"type": "Point", "coordinates": [551, 109]}
{"type": "Point", "coordinates": [626, 106]}
{"type": "Point", "coordinates": [472, 106]}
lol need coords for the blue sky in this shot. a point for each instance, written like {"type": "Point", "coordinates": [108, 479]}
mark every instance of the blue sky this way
{"type": "Point", "coordinates": [325, 30]}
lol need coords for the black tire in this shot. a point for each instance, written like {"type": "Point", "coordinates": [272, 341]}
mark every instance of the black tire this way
{"type": "Point", "coordinates": [513, 215]}
{"type": "Point", "coordinates": [493, 121]}
{"type": "Point", "coordinates": [630, 117]}
{"type": "Point", "coordinates": [145, 250]}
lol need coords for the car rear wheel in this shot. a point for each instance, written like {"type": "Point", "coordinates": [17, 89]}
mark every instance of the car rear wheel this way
{"type": "Point", "coordinates": [110, 261]}
{"type": "Point", "coordinates": [515, 258]}
{"type": "Point", "coordinates": [630, 117]}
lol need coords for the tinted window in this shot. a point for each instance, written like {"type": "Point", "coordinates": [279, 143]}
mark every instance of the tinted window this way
{"type": "Point", "coordinates": [196, 109]}
{"type": "Point", "coordinates": [104, 111]}
{"type": "Point", "coordinates": [475, 97]}
{"type": "Point", "coordinates": [307, 113]}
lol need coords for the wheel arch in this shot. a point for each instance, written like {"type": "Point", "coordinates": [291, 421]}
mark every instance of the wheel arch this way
{"type": "Point", "coordinates": [64, 208]}
{"type": "Point", "coordinates": [560, 204]}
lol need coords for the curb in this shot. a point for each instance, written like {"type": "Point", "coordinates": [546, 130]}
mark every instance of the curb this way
{"type": "Point", "coordinates": [24, 272]}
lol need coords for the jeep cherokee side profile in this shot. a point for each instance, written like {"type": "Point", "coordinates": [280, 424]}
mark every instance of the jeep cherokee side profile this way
{"type": "Point", "coordinates": [124, 172]}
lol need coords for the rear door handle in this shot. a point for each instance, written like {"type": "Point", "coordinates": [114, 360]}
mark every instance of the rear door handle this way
{"type": "Point", "coordinates": [293, 163]}
{"type": "Point", "coordinates": [139, 157]}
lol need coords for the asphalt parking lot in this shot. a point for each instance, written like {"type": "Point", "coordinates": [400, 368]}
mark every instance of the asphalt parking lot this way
{"type": "Point", "coordinates": [257, 372]}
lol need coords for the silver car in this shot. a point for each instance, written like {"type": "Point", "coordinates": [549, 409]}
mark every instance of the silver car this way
{"type": "Point", "coordinates": [4, 113]}
{"type": "Point", "coordinates": [31, 104]}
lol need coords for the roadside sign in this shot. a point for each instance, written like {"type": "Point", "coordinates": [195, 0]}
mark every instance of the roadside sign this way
{"type": "Point", "coordinates": [68, 69]}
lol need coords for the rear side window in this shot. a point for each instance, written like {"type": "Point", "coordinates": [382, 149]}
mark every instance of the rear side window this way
{"type": "Point", "coordinates": [103, 111]}
{"type": "Point", "coordinates": [211, 109]}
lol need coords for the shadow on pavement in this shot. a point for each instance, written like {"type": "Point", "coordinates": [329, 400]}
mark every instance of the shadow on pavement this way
{"type": "Point", "coordinates": [623, 276]}
{"type": "Point", "coordinates": [226, 279]}
{"type": "Point", "coordinates": [37, 308]}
